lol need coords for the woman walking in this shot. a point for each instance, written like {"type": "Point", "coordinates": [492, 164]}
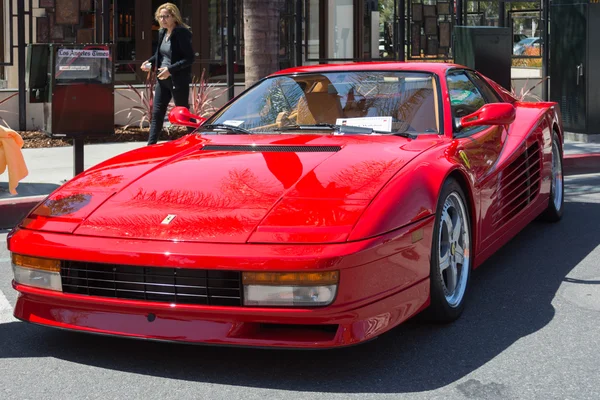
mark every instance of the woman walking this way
{"type": "Point", "coordinates": [172, 63]}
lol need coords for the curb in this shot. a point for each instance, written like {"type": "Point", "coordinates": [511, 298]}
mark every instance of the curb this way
{"type": "Point", "coordinates": [576, 164]}
{"type": "Point", "coordinates": [583, 137]}
{"type": "Point", "coordinates": [15, 209]}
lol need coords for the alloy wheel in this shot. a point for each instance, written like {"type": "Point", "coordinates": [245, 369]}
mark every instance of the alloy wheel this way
{"type": "Point", "coordinates": [557, 177]}
{"type": "Point", "coordinates": [453, 254]}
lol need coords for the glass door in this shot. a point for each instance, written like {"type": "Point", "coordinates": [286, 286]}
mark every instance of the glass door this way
{"type": "Point", "coordinates": [350, 29]}
{"type": "Point", "coordinates": [124, 30]}
{"type": "Point", "coordinates": [330, 30]}
{"type": "Point", "coordinates": [568, 83]}
{"type": "Point", "coordinates": [377, 29]}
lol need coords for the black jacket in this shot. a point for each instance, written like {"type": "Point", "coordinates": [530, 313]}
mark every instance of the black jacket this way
{"type": "Point", "coordinates": [182, 55]}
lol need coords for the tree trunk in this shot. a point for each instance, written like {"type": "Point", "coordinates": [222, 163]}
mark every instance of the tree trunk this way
{"type": "Point", "coordinates": [261, 38]}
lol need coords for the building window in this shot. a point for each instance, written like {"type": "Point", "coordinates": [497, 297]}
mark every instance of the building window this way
{"type": "Point", "coordinates": [378, 28]}
{"type": "Point", "coordinates": [125, 40]}
{"type": "Point", "coordinates": [330, 29]}
{"type": "Point", "coordinates": [340, 29]}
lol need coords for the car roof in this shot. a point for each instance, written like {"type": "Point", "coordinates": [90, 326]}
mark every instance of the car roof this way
{"type": "Point", "coordinates": [530, 39]}
{"type": "Point", "coordinates": [434, 67]}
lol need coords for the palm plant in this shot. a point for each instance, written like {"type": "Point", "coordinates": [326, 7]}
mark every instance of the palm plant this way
{"type": "Point", "coordinates": [141, 113]}
{"type": "Point", "coordinates": [203, 96]}
{"type": "Point", "coordinates": [525, 92]}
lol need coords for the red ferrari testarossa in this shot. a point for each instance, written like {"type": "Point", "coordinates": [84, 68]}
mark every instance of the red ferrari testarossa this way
{"type": "Point", "coordinates": [322, 207]}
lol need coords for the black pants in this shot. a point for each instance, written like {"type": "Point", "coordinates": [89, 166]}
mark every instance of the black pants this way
{"type": "Point", "coordinates": [163, 93]}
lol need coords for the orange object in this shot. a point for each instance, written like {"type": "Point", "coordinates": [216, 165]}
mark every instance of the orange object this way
{"type": "Point", "coordinates": [12, 158]}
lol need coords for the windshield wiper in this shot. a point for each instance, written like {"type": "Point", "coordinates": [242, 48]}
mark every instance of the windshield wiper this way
{"type": "Point", "coordinates": [343, 129]}
{"type": "Point", "coordinates": [314, 127]}
{"type": "Point", "coordinates": [225, 127]}
{"type": "Point", "coordinates": [333, 127]}
{"type": "Point", "coordinates": [404, 134]}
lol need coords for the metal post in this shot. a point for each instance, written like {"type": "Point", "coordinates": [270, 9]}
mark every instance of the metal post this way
{"type": "Point", "coordinates": [230, 50]}
{"type": "Point", "coordinates": [459, 12]}
{"type": "Point", "coordinates": [401, 30]}
{"type": "Point", "coordinates": [545, 47]}
{"type": "Point", "coordinates": [21, 62]}
{"type": "Point", "coordinates": [77, 155]}
{"type": "Point", "coordinates": [105, 21]}
{"type": "Point", "coordinates": [501, 14]}
{"type": "Point", "coordinates": [98, 21]}
{"type": "Point", "coordinates": [298, 33]}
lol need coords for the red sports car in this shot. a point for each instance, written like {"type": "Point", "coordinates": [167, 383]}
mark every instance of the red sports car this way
{"type": "Point", "coordinates": [322, 207]}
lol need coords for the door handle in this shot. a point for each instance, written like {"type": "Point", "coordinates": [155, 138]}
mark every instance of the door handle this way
{"type": "Point", "coordinates": [197, 54]}
{"type": "Point", "coordinates": [143, 35]}
{"type": "Point", "coordinates": [579, 72]}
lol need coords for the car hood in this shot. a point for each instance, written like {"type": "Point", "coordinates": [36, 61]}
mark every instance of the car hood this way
{"type": "Point", "coordinates": [236, 189]}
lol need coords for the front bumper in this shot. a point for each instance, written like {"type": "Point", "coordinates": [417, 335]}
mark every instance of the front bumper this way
{"type": "Point", "coordinates": [383, 281]}
{"type": "Point", "coordinates": [289, 328]}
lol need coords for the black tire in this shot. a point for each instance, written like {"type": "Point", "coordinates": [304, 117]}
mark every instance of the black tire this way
{"type": "Point", "coordinates": [446, 303]}
{"type": "Point", "coordinates": [556, 201]}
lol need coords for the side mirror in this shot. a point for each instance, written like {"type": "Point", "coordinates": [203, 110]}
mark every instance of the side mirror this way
{"type": "Point", "coordinates": [183, 116]}
{"type": "Point", "coordinates": [490, 114]}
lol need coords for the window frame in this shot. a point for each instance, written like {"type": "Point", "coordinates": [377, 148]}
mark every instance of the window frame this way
{"type": "Point", "coordinates": [435, 77]}
{"type": "Point", "coordinates": [465, 132]}
{"type": "Point", "coordinates": [480, 83]}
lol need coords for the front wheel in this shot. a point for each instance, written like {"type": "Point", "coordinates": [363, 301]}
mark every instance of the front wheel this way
{"type": "Point", "coordinates": [450, 254]}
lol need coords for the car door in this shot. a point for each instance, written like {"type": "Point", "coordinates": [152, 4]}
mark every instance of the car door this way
{"type": "Point", "coordinates": [479, 147]}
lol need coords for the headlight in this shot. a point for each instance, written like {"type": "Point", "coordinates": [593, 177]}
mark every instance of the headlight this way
{"type": "Point", "coordinates": [298, 289]}
{"type": "Point", "coordinates": [38, 272]}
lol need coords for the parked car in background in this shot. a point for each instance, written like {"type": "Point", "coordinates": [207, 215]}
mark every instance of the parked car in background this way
{"type": "Point", "coordinates": [521, 47]}
{"type": "Point", "coordinates": [517, 37]}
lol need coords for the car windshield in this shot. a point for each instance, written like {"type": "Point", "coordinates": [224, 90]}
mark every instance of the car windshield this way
{"type": "Point", "coordinates": [386, 102]}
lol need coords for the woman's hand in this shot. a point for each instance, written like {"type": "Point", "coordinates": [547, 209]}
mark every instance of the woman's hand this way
{"type": "Point", "coordinates": [146, 66]}
{"type": "Point", "coordinates": [163, 73]}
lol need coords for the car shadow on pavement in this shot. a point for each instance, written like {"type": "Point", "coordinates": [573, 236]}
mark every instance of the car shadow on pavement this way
{"type": "Point", "coordinates": [511, 298]}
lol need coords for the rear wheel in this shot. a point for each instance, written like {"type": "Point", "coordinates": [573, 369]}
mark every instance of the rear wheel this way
{"type": "Point", "coordinates": [556, 202]}
{"type": "Point", "coordinates": [450, 254]}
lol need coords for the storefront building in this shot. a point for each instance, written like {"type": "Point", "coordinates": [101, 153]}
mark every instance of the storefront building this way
{"type": "Point", "coordinates": [311, 31]}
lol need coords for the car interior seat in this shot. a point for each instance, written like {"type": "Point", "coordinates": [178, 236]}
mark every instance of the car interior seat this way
{"type": "Point", "coordinates": [320, 105]}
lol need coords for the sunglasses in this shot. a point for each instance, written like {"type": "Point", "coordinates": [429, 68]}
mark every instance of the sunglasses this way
{"type": "Point", "coordinates": [164, 16]}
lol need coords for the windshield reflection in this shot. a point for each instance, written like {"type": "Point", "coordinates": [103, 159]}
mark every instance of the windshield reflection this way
{"type": "Point", "coordinates": [386, 101]}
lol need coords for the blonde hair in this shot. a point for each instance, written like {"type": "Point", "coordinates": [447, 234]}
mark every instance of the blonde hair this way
{"type": "Point", "coordinates": [173, 10]}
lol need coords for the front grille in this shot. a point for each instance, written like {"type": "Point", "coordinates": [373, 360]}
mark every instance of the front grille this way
{"type": "Point", "coordinates": [273, 149]}
{"type": "Point", "coordinates": [171, 285]}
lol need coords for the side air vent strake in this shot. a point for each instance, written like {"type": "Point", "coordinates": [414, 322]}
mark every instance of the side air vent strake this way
{"type": "Point", "coordinates": [273, 149]}
{"type": "Point", "coordinates": [519, 185]}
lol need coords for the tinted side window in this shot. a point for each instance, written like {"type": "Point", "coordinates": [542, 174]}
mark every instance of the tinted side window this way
{"type": "Point", "coordinates": [465, 98]}
{"type": "Point", "coordinates": [490, 94]}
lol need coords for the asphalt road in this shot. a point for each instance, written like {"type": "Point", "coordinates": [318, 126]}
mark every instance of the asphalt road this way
{"type": "Point", "coordinates": [531, 331]}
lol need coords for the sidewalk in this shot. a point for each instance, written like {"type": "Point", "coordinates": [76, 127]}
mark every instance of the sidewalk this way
{"type": "Point", "coordinates": [48, 169]}
{"type": "Point", "coordinates": [51, 167]}
{"type": "Point", "coordinates": [581, 158]}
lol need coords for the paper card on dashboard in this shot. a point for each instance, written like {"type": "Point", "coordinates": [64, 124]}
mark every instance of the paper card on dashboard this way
{"type": "Point", "coordinates": [376, 123]}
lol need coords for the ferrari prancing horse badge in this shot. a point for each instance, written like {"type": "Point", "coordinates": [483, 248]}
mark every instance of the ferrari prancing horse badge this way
{"type": "Point", "coordinates": [168, 219]}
